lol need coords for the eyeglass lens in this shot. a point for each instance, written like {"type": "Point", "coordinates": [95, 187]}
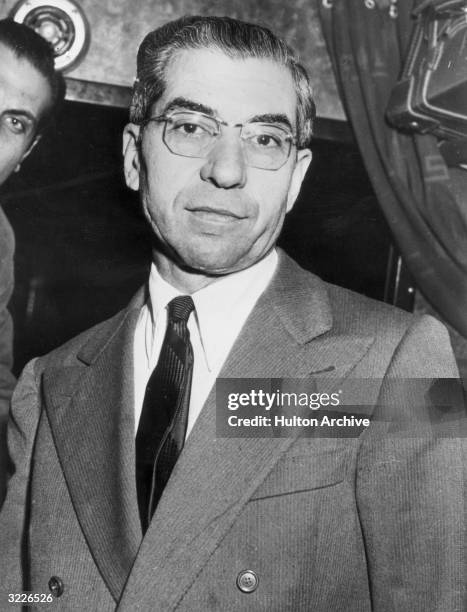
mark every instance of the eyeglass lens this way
{"type": "Point", "coordinates": [190, 134]}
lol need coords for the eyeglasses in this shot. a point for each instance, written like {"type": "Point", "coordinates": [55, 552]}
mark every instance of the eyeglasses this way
{"type": "Point", "coordinates": [192, 134]}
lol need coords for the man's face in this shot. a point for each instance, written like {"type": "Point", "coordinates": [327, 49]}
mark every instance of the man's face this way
{"type": "Point", "coordinates": [24, 96]}
{"type": "Point", "coordinates": [216, 215]}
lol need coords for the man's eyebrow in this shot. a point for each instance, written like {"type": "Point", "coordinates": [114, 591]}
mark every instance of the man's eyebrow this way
{"type": "Point", "coordinates": [272, 118]}
{"type": "Point", "coordinates": [21, 112]}
{"type": "Point", "coordinates": [184, 103]}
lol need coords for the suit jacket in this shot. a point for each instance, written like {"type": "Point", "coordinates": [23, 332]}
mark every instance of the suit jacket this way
{"type": "Point", "coordinates": [330, 525]}
{"type": "Point", "coordinates": [7, 380]}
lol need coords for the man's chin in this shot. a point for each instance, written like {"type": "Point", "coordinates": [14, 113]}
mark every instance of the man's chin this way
{"type": "Point", "coordinates": [212, 269]}
{"type": "Point", "coordinates": [212, 265]}
{"type": "Point", "coordinates": [219, 260]}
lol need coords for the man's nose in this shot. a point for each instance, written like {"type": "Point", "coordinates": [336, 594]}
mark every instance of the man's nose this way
{"type": "Point", "coordinates": [225, 165]}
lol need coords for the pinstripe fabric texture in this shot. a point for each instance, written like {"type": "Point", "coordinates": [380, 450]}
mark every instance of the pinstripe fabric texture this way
{"type": "Point", "coordinates": [328, 525]}
{"type": "Point", "coordinates": [164, 418]}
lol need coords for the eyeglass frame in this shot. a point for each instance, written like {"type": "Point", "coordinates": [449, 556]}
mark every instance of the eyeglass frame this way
{"type": "Point", "coordinates": [166, 117]}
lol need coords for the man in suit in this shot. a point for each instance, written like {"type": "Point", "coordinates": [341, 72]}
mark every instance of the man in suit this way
{"type": "Point", "coordinates": [121, 495]}
{"type": "Point", "coordinates": [29, 92]}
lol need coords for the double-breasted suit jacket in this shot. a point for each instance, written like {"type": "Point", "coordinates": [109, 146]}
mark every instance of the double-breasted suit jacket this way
{"type": "Point", "coordinates": [325, 524]}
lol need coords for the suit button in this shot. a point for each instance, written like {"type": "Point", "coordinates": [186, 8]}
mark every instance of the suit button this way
{"type": "Point", "coordinates": [247, 581]}
{"type": "Point", "coordinates": [56, 586]}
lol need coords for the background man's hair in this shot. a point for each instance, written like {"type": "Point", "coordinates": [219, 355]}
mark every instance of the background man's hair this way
{"type": "Point", "coordinates": [30, 46]}
{"type": "Point", "coordinates": [235, 38]}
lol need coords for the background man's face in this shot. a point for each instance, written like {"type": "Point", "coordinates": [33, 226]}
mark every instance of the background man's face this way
{"type": "Point", "coordinates": [217, 215]}
{"type": "Point", "coordinates": [24, 96]}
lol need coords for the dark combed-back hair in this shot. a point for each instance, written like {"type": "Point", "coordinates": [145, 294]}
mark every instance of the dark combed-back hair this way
{"type": "Point", "coordinates": [237, 39]}
{"type": "Point", "coordinates": [28, 45]}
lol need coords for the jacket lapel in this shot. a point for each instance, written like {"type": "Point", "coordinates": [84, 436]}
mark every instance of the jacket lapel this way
{"type": "Point", "coordinates": [90, 409]}
{"type": "Point", "coordinates": [214, 478]}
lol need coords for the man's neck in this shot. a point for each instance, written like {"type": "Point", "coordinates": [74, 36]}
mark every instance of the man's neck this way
{"type": "Point", "coordinates": [184, 280]}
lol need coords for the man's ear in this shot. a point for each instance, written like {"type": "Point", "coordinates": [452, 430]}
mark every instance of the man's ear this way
{"type": "Point", "coordinates": [131, 155]}
{"type": "Point", "coordinates": [28, 151]}
{"type": "Point", "coordinates": [298, 174]}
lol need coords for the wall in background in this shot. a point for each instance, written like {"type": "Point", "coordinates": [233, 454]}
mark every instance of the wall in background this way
{"type": "Point", "coordinates": [118, 26]}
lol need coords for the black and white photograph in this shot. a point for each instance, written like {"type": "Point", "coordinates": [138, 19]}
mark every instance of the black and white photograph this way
{"type": "Point", "coordinates": [233, 305]}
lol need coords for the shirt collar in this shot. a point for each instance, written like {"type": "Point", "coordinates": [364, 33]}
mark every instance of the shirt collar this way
{"type": "Point", "coordinates": [221, 307]}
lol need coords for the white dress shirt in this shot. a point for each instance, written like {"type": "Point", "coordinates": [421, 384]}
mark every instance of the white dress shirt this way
{"type": "Point", "coordinates": [221, 309]}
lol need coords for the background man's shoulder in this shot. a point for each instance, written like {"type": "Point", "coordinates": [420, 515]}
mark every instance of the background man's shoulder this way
{"type": "Point", "coordinates": [7, 247]}
{"type": "Point", "coordinates": [7, 237]}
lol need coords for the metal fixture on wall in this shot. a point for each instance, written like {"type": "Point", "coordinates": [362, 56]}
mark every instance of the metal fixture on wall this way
{"type": "Point", "coordinates": [62, 23]}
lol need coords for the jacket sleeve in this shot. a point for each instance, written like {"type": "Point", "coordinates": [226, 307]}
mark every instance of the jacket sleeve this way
{"type": "Point", "coordinates": [21, 432]}
{"type": "Point", "coordinates": [411, 479]}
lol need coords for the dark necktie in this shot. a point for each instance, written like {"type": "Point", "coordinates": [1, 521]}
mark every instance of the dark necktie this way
{"type": "Point", "coordinates": [164, 417]}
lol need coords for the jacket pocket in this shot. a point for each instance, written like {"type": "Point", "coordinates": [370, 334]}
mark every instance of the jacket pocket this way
{"type": "Point", "coordinates": [310, 464]}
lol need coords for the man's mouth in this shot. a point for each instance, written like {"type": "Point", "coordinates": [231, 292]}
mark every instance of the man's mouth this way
{"type": "Point", "coordinates": [216, 215]}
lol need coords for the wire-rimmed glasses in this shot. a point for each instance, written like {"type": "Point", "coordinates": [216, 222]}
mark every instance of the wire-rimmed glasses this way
{"type": "Point", "coordinates": [194, 134]}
